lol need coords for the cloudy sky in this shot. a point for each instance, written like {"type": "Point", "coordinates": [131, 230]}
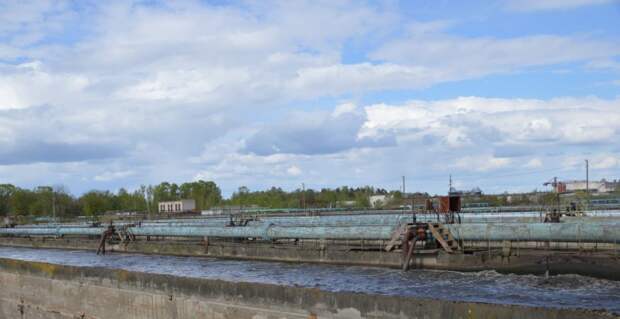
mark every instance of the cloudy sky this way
{"type": "Point", "coordinates": [501, 94]}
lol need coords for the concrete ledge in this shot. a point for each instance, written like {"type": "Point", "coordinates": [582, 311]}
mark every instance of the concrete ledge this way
{"type": "Point", "coordinates": [41, 290]}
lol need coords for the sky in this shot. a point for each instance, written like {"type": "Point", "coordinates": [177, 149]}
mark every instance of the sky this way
{"type": "Point", "coordinates": [500, 94]}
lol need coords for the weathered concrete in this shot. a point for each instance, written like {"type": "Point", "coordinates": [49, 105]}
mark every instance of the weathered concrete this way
{"type": "Point", "coordinates": [593, 263]}
{"type": "Point", "coordinates": [40, 290]}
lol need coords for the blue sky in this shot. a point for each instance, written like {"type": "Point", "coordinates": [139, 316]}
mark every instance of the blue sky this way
{"type": "Point", "coordinates": [503, 95]}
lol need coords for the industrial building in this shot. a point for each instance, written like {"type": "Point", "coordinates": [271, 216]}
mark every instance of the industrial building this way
{"type": "Point", "coordinates": [602, 186]}
{"type": "Point", "coordinates": [178, 206]}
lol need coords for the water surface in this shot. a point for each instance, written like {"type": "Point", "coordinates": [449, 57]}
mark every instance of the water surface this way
{"type": "Point", "coordinates": [570, 291]}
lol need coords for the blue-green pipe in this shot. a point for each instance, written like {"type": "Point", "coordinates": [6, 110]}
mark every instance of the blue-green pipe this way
{"type": "Point", "coordinates": [347, 220]}
{"type": "Point", "coordinates": [52, 231]}
{"type": "Point", "coordinates": [560, 232]}
{"type": "Point", "coordinates": [270, 231]}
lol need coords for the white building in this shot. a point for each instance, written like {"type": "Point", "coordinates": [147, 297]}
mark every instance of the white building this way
{"type": "Point", "coordinates": [177, 206]}
{"type": "Point", "coordinates": [377, 201]}
{"type": "Point", "coordinates": [602, 186]}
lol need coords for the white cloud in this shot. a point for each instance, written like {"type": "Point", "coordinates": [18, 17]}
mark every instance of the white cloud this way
{"type": "Point", "coordinates": [293, 170]}
{"type": "Point", "coordinates": [456, 57]}
{"type": "Point", "coordinates": [109, 176]}
{"type": "Point", "coordinates": [604, 64]}
{"type": "Point", "coordinates": [534, 163]}
{"type": "Point", "coordinates": [606, 162]}
{"type": "Point", "coordinates": [29, 84]}
{"type": "Point", "coordinates": [344, 108]}
{"type": "Point", "coordinates": [132, 93]}
{"type": "Point", "coordinates": [499, 121]}
{"type": "Point", "coordinates": [544, 5]}
{"type": "Point", "coordinates": [603, 164]}
{"type": "Point", "coordinates": [338, 78]}
{"type": "Point", "coordinates": [482, 163]}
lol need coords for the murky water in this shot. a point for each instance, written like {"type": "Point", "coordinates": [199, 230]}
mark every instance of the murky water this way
{"type": "Point", "coordinates": [572, 291]}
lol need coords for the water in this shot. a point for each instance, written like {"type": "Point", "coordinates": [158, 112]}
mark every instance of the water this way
{"type": "Point", "coordinates": [570, 291]}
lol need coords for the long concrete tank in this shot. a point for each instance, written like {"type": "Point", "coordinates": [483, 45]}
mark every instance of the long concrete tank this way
{"type": "Point", "coordinates": [347, 220]}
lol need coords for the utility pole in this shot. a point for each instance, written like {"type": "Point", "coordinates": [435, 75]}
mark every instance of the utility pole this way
{"type": "Point", "coordinates": [404, 191]}
{"type": "Point", "coordinates": [587, 185]}
{"type": "Point", "coordinates": [557, 193]}
{"type": "Point", "coordinates": [450, 185]}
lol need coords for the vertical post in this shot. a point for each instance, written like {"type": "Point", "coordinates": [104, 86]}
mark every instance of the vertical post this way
{"type": "Point", "coordinates": [557, 193]}
{"type": "Point", "coordinates": [54, 205]}
{"type": "Point", "coordinates": [587, 185]}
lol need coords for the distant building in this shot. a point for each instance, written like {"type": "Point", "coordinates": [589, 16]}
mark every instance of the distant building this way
{"type": "Point", "coordinates": [602, 186]}
{"type": "Point", "coordinates": [177, 206]}
{"type": "Point", "coordinates": [378, 200]}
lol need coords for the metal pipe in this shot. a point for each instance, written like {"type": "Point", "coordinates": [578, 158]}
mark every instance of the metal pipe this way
{"type": "Point", "coordinates": [349, 219]}
{"type": "Point", "coordinates": [264, 231]}
{"type": "Point", "coordinates": [271, 231]}
{"type": "Point", "coordinates": [52, 231]}
{"type": "Point", "coordinates": [559, 232]}
{"type": "Point", "coordinates": [199, 231]}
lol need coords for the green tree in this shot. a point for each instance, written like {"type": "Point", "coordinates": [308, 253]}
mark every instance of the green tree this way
{"type": "Point", "coordinates": [41, 205]}
{"type": "Point", "coordinates": [206, 194]}
{"type": "Point", "coordinates": [6, 192]}
{"type": "Point", "coordinates": [21, 201]}
{"type": "Point", "coordinates": [97, 202]}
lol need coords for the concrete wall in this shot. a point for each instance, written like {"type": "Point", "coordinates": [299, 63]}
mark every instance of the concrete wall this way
{"type": "Point", "coordinates": [39, 290]}
{"type": "Point", "coordinates": [507, 259]}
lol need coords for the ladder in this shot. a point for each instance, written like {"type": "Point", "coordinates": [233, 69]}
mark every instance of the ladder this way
{"type": "Point", "coordinates": [444, 237]}
{"type": "Point", "coordinates": [395, 238]}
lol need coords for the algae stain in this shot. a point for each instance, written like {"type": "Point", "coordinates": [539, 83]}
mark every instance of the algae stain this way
{"type": "Point", "coordinates": [122, 275]}
{"type": "Point", "coordinates": [48, 269]}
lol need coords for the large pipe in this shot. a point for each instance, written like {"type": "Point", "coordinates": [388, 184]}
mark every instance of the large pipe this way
{"type": "Point", "coordinates": [376, 219]}
{"type": "Point", "coordinates": [264, 231]}
{"type": "Point", "coordinates": [52, 231]}
{"type": "Point", "coordinates": [560, 232]}
{"type": "Point", "coordinates": [271, 231]}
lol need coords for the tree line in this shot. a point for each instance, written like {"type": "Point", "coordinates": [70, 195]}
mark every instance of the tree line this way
{"type": "Point", "coordinates": [50, 200]}
{"type": "Point", "coordinates": [275, 197]}
{"type": "Point", "coordinates": [56, 200]}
